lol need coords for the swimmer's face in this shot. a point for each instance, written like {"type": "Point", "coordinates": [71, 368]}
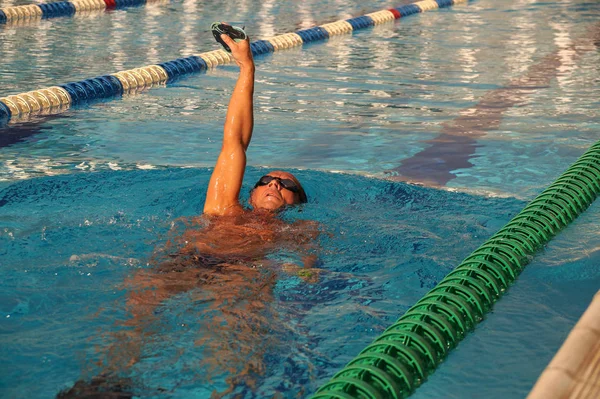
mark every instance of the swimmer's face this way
{"type": "Point", "coordinates": [271, 193]}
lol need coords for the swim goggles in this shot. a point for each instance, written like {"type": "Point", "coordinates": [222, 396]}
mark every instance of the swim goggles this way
{"type": "Point", "coordinates": [288, 184]}
{"type": "Point", "coordinates": [234, 32]}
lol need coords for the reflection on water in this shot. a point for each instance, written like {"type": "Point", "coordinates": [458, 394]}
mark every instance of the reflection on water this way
{"type": "Point", "coordinates": [453, 149]}
{"type": "Point", "coordinates": [21, 132]}
{"type": "Point", "coordinates": [381, 99]}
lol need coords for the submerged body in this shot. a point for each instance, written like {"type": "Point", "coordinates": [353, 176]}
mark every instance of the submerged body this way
{"type": "Point", "coordinates": [223, 263]}
{"type": "Point", "coordinates": [248, 235]}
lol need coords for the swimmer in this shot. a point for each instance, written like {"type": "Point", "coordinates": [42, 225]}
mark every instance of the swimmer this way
{"type": "Point", "coordinates": [221, 262]}
{"type": "Point", "coordinates": [273, 191]}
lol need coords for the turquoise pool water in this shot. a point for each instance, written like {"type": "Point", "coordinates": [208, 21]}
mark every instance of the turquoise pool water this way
{"type": "Point", "coordinates": [88, 198]}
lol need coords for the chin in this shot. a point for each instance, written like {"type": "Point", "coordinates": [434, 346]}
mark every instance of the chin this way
{"type": "Point", "coordinates": [269, 205]}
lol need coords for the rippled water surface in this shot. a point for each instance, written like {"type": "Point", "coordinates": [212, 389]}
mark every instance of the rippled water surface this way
{"type": "Point", "coordinates": [365, 103]}
{"type": "Point", "coordinates": [489, 101]}
{"type": "Point", "coordinates": [78, 249]}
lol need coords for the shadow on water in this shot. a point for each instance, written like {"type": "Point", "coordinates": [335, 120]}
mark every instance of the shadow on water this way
{"type": "Point", "coordinates": [19, 131]}
{"type": "Point", "coordinates": [10, 135]}
{"type": "Point", "coordinates": [457, 143]}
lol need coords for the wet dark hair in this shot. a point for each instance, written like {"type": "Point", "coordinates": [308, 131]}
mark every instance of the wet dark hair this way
{"type": "Point", "coordinates": [302, 194]}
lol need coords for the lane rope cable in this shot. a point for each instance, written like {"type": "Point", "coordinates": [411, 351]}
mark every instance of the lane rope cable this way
{"type": "Point", "coordinates": [56, 99]}
{"type": "Point", "coordinates": [18, 14]}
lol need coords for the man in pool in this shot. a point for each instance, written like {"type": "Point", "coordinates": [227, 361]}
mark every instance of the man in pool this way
{"type": "Point", "coordinates": [273, 191]}
{"type": "Point", "coordinates": [221, 261]}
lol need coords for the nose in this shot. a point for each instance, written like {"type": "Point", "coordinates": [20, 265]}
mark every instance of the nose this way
{"type": "Point", "coordinates": [275, 183]}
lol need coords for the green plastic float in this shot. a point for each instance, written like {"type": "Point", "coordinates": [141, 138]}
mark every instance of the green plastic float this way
{"type": "Point", "coordinates": [408, 351]}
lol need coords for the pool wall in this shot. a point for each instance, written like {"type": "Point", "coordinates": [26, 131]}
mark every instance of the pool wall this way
{"type": "Point", "coordinates": [575, 370]}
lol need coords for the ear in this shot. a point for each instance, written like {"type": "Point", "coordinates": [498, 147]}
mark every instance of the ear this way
{"type": "Point", "coordinates": [250, 198]}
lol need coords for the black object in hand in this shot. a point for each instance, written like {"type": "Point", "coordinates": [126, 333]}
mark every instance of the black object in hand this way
{"type": "Point", "coordinates": [234, 32]}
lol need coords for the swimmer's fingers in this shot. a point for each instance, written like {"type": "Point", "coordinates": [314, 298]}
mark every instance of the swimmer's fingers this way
{"type": "Point", "coordinates": [310, 275]}
{"type": "Point", "coordinates": [240, 50]}
{"type": "Point", "coordinates": [229, 41]}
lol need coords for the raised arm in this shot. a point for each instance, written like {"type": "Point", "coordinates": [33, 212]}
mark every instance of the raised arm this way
{"type": "Point", "coordinates": [225, 183]}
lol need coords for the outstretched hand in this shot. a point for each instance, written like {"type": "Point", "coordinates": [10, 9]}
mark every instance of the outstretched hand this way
{"type": "Point", "coordinates": [240, 51]}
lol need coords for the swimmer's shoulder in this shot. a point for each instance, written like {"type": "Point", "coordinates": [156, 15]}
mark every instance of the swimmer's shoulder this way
{"type": "Point", "coordinates": [234, 215]}
{"type": "Point", "coordinates": [230, 210]}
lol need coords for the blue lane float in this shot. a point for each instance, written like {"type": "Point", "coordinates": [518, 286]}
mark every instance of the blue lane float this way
{"type": "Point", "coordinates": [181, 67]}
{"type": "Point", "coordinates": [59, 98]}
{"type": "Point", "coordinates": [119, 4]}
{"type": "Point", "coordinates": [313, 34]}
{"type": "Point", "coordinates": [361, 22]}
{"type": "Point", "coordinates": [88, 90]}
{"type": "Point", "coordinates": [4, 114]}
{"type": "Point", "coordinates": [57, 9]}
{"type": "Point", "coordinates": [32, 12]}
{"type": "Point", "coordinates": [260, 47]}
{"type": "Point", "coordinates": [444, 3]}
{"type": "Point", "coordinates": [408, 9]}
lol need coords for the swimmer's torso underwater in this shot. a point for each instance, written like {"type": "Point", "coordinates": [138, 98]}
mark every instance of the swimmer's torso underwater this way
{"type": "Point", "coordinates": [222, 259]}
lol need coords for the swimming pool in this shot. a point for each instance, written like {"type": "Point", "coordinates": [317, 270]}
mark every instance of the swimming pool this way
{"type": "Point", "coordinates": [361, 104]}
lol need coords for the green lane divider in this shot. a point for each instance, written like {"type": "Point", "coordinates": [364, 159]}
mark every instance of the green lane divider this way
{"type": "Point", "coordinates": [408, 351]}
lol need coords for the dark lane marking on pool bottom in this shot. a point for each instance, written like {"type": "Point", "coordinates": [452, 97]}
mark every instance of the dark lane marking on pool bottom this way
{"type": "Point", "coordinates": [453, 148]}
{"type": "Point", "coordinates": [19, 133]}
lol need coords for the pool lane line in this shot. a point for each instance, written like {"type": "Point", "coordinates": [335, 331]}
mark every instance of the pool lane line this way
{"type": "Point", "coordinates": [56, 99]}
{"type": "Point", "coordinates": [457, 142]}
{"type": "Point", "coordinates": [401, 358]}
{"type": "Point", "coordinates": [57, 9]}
